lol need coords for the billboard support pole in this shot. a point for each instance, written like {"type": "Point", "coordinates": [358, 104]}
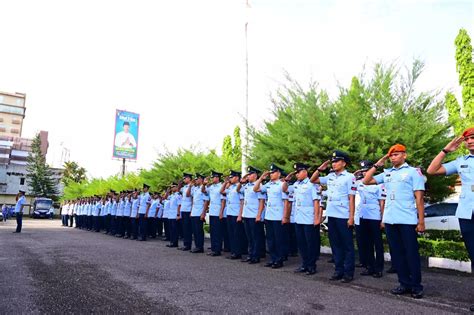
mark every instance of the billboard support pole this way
{"type": "Point", "coordinates": [123, 167]}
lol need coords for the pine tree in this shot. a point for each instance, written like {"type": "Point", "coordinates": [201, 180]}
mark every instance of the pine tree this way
{"type": "Point", "coordinates": [40, 178]}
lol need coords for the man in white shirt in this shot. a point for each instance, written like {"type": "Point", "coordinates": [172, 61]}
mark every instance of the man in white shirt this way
{"type": "Point", "coordinates": [20, 203]}
{"type": "Point", "coordinates": [124, 139]}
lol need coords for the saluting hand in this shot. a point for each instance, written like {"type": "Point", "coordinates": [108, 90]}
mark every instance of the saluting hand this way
{"type": "Point", "coordinates": [265, 175]}
{"type": "Point", "coordinates": [383, 160]}
{"type": "Point", "coordinates": [454, 144]}
{"type": "Point", "coordinates": [324, 165]}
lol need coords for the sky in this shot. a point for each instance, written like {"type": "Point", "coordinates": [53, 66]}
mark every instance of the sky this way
{"type": "Point", "coordinates": [181, 64]}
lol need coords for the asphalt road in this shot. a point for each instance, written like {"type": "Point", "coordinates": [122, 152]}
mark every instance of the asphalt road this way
{"type": "Point", "coordinates": [56, 270]}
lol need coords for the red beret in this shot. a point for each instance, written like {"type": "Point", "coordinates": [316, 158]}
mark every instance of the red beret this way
{"type": "Point", "coordinates": [468, 132]}
{"type": "Point", "coordinates": [397, 148]}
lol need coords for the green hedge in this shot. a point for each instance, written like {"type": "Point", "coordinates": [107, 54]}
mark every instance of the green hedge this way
{"type": "Point", "coordinates": [434, 243]}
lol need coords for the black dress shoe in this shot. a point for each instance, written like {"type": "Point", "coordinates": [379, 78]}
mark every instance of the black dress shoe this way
{"type": "Point", "coordinates": [311, 271]}
{"type": "Point", "coordinates": [472, 308]}
{"type": "Point", "coordinates": [197, 250]}
{"type": "Point", "coordinates": [248, 259]}
{"type": "Point", "coordinates": [277, 265]}
{"type": "Point", "coordinates": [226, 250]}
{"type": "Point", "coordinates": [377, 274]}
{"type": "Point", "coordinates": [400, 290]}
{"type": "Point", "coordinates": [184, 248]}
{"type": "Point", "coordinates": [171, 245]}
{"type": "Point", "coordinates": [235, 257]}
{"type": "Point", "coordinates": [254, 261]}
{"type": "Point", "coordinates": [215, 254]}
{"type": "Point", "coordinates": [335, 277]}
{"type": "Point", "coordinates": [391, 270]}
{"type": "Point", "coordinates": [285, 258]}
{"type": "Point", "coordinates": [268, 264]}
{"type": "Point", "coordinates": [347, 279]}
{"type": "Point", "coordinates": [331, 261]}
{"type": "Point", "coordinates": [359, 265]}
{"type": "Point", "coordinates": [417, 294]}
{"type": "Point", "coordinates": [366, 272]}
{"type": "Point", "coordinates": [300, 270]}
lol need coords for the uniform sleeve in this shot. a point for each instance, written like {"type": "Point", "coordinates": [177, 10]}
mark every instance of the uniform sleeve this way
{"type": "Point", "coordinates": [241, 195]}
{"type": "Point", "coordinates": [205, 197]}
{"type": "Point", "coordinates": [264, 188]}
{"type": "Point", "coordinates": [323, 180]}
{"type": "Point", "coordinates": [351, 185]}
{"type": "Point", "coordinates": [379, 179]}
{"type": "Point", "coordinates": [314, 192]}
{"type": "Point", "coordinates": [382, 194]}
{"type": "Point", "coordinates": [418, 180]}
{"type": "Point", "coordinates": [451, 167]}
{"type": "Point", "coordinates": [262, 196]}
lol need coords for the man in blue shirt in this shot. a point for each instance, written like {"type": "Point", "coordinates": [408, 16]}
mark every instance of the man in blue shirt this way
{"type": "Point", "coordinates": [308, 219]}
{"type": "Point", "coordinates": [174, 202]}
{"type": "Point", "coordinates": [275, 214]}
{"type": "Point", "coordinates": [464, 167]}
{"type": "Point", "coordinates": [184, 211]}
{"type": "Point", "coordinates": [134, 216]}
{"type": "Point", "coordinates": [20, 204]}
{"type": "Point", "coordinates": [403, 217]}
{"type": "Point", "coordinates": [145, 202]}
{"type": "Point", "coordinates": [248, 215]}
{"type": "Point", "coordinates": [198, 213]}
{"type": "Point", "coordinates": [340, 210]}
{"type": "Point", "coordinates": [234, 203]}
{"type": "Point", "coordinates": [216, 209]}
{"type": "Point", "coordinates": [151, 220]}
{"type": "Point", "coordinates": [369, 213]}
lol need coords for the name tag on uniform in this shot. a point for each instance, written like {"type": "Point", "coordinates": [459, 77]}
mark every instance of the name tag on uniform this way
{"type": "Point", "coordinates": [472, 188]}
{"type": "Point", "coordinates": [392, 196]}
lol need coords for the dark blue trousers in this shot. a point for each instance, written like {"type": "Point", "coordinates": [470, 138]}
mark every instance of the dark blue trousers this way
{"type": "Point", "coordinates": [225, 234]}
{"type": "Point", "coordinates": [71, 220]}
{"type": "Point", "coordinates": [96, 223]}
{"type": "Point", "coordinates": [126, 227]}
{"type": "Point", "coordinates": [187, 229]}
{"type": "Point", "coordinates": [166, 225]}
{"type": "Point", "coordinates": [108, 222]}
{"type": "Point", "coordinates": [342, 243]}
{"type": "Point", "coordinates": [173, 228]}
{"type": "Point", "coordinates": [113, 225]}
{"type": "Point", "coordinates": [216, 233]}
{"type": "Point", "coordinates": [19, 221]}
{"type": "Point", "coordinates": [361, 246]}
{"type": "Point", "coordinates": [292, 241]}
{"type": "Point", "coordinates": [134, 227]}
{"type": "Point", "coordinates": [151, 227]}
{"type": "Point", "coordinates": [309, 244]}
{"type": "Point", "coordinates": [198, 232]}
{"type": "Point", "coordinates": [238, 241]}
{"type": "Point", "coordinates": [405, 256]}
{"type": "Point", "coordinates": [142, 226]}
{"type": "Point", "coordinates": [254, 237]}
{"type": "Point", "coordinates": [371, 239]}
{"type": "Point", "coordinates": [276, 238]}
{"type": "Point", "coordinates": [159, 226]}
{"type": "Point", "coordinates": [467, 231]}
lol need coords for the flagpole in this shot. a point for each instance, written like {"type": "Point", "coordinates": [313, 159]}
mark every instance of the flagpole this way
{"type": "Point", "coordinates": [246, 146]}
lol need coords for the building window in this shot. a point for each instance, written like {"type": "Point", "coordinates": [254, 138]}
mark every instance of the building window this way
{"type": "Point", "coordinates": [2, 129]}
{"type": "Point", "coordinates": [16, 121]}
{"type": "Point", "coordinates": [14, 130]}
{"type": "Point", "coordinates": [22, 181]}
{"type": "Point", "coordinates": [19, 102]}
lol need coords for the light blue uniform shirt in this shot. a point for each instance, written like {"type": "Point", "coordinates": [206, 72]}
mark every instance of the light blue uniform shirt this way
{"type": "Point", "coordinates": [175, 201]}
{"type": "Point", "coordinates": [233, 200]}
{"type": "Point", "coordinates": [464, 166]}
{"type": "Point", "coordinates": [135, 205]}
{"type": "Point", "coordinates": [21, 201]}
{"type": "Point", "coordinates": [275, 204]}
{"type": "Point", "coordinates": [186, 202]}
{"type": "Point", "coordinates": [153, 207]}
{"type": "Point", "coordinates": [113, 208]}
{"type": "Point", "coordinates": [215, 199]}
{"type": "Point", "coordinates": [120, 208]}
{"type": "Point", "coordinates": [145, 200]}
{"type": "Point", "coordinates": [159, 214]}
{"type": "Point", "coordinates": [96, 209]}
{"type": "Point", "coordinates": [251, 201]}
{"type": "Point", "coordinates": [340, 187]}
{"type": "Point", "coordinates": [89, 209]}
{"type": "Point", "coordinates": [166, 208]}
{"type": "Point", "coordinates": [291, 194]}
{"type": "Point", "coordinates": [369, 205]}
{"type": "Point", "coordinates": [103, 210]}
{"type": "Point", "coordinates": [305, 193]}
{"type": "Point", "coordinates": [400, 185]}
{"type": "Point", "coordinates": [106, 208]}
{"type": "Point", "coordinates": [127, 208]}
{"type": "Point", "coordinates": [198, 201]}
